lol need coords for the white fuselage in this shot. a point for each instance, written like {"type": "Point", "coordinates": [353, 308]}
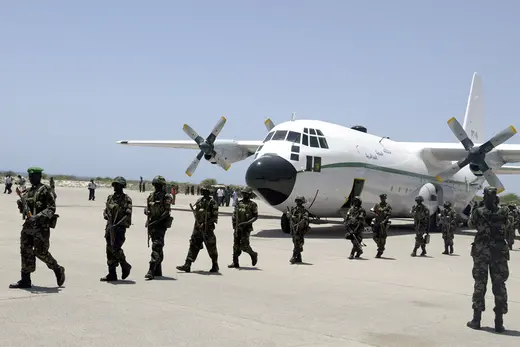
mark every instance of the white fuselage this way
{"type": "Point", "coordinates": [385, 166]}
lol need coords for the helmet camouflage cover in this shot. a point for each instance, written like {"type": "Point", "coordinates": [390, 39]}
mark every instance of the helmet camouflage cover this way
{"type": "Point", "coordinates": [159, 180]}
{"type": "Point", "coordinates": [300, 198]}
{"type": "Point", "coordinates": [119, 180]}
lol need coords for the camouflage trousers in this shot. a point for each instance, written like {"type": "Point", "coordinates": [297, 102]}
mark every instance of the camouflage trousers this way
{"type": "Point", "coordinates": [199, 238]}
{"type": "Point", "coordinates": [493, 260]}
{"type": "Point", "coordinates": [510, 236]}
{"type": "Point", "coordinates": [35, 244]}
{"type": "Point", "coordinates": [157, 237]}
{"type": "Point", "coordinates": [298, 239]}
{"type": "Point", "coordinates": [115, 254]}
{"type": "Point", "coordinates": [241, 241]}
{"type": "Point", "coordinates": [355, 247]}
{"type": "Point", "coordinates": [448, 236]}
{"type": "Point", "coordinates": [379, 236]}
{"type": "Point", "coordinates": [420, 240]}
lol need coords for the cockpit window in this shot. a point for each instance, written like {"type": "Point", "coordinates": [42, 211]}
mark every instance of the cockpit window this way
{"type": "Point", "coordinates": [268, 137]}
{"type": "Point", "coordinates": [305, 140]}
{"type": "Point", "coordinates": [318, 131]}
{"type": "Point", "coordinates": [313, 132]}
{"type": "Point", "coordinates": [279, 135]}
{"type": "Point", "coordinates": [323, 142]}
{"type": "Point", "coordinates": [293, 136]}
{"type": "Point", "coordinates": [305, 130]}
{"type": "Point", "coordinates": [314, 141]}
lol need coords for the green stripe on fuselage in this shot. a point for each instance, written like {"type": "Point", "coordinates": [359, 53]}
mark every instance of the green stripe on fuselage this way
{"type": "Point", "coordinates": [386, 169]}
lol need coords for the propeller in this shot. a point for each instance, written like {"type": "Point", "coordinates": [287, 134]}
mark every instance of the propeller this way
{"type": "Point", "coordinates": [476, 154]}
{"type": "Point", "coordinates": [207, 148]}
{"type": "Point", "coordinates": [269, 124]}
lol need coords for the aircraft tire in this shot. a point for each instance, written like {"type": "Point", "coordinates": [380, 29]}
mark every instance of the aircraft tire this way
{"type": "Point", "coordinates": [285, 224]}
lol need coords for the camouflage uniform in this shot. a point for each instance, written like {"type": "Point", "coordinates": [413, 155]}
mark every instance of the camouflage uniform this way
{"type": "Point", "coordinates": [40, 216]}
{"type": "Point", "coordinates": [421, 219]}
{"type": "Point", "coordinates": [447, 219]}
{"type": "Point", "coordinates": [158, 207]}
{"type": "Point", "coordinates": [245, 214]}
{"type": "Point", "coordinates": [118, 213]}
{"type": "Point", "coordinates": [355, 222]}
{"type": "Point", "coordinates": [52, 184]}
{"type": "Point", "coordinates": [510, 232]}
{"type": "Point", "coordinates": [299, 219]}
{"type": "Point", "coordinates": [206, 216]}
{"type": "Point", "coordinates": [490, 254]}
{"type": "Point", "coordinates": [383, 211]}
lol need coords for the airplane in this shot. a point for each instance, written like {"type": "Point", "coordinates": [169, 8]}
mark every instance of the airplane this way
{"type": "Point", "coordinates": [329, 164]}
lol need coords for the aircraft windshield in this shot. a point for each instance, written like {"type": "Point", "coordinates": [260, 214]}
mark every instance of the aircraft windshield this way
{"type": "Point", "coordinates": [314, 138]}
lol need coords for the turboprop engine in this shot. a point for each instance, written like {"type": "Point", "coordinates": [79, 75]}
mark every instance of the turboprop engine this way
{"type": "Point", "coordinates": [429, 194]}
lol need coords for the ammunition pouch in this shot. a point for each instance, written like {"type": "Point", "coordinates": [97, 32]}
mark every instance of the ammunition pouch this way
{"type": "Point", "coordinates": [168, 222]}
{"type": "Point", "coordinates": [53, 221]}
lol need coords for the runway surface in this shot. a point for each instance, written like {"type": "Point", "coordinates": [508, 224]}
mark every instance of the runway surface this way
{"type": "Point", "coordinates": [330, 301]}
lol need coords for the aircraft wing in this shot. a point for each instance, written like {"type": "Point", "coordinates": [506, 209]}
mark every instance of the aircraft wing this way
{"type": "Point", "coordinates": [508, 153]}
{"type": "Point", "coordinates": [228, 145]}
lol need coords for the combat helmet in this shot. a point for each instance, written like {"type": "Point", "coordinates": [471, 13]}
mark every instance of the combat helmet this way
{"type": "Point", "coordinates": [356, 199]}
{"type": "Point", "coordinates": [119, 180]}
{"type": "Point", "coordinates": [205, 188]}
{"type": "Point", "coordinates": [300, 198]}
{"type": "Point", "coordinates": [383, 196]}
{"type": "Point", "coordinates": [246, 190]}
{"type": "Point", "coordinates": [419, 198]}
{"type": "Point", "coordinates": [158, 180]}
{"type": "Point", "coordinates": [447, 204]}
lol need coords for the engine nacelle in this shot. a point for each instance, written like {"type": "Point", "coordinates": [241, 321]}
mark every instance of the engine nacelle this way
{"type": "Point", "coordinates": [429, 194]}
{"type": "Point", "coordinates": [211, 158]}
{"type": "Point", "coordinates": [475, 170]}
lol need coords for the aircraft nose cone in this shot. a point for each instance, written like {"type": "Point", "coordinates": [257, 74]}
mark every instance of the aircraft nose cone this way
{"type": "Point", "coordinates": [272, 177]}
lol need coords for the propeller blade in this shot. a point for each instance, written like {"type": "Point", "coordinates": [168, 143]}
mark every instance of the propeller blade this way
{"type": "Point", "coordinates": [222, 163]}
{"type": "Point", "coordinates": [493, 181]}
{"type": "Point", "coordinates": [216, 130]}
{"type": "Point", "coordinates": [460, 133]}
{"type": "Point", "coordinates": [193, 166]}
{"type": "Point", "coordinates": [269, 124]}
{"type": "Point", "coordinates": [498, 139]}
{"type": "Point", "coordinates": [452, 170]}
{"type": "Point", "coordinates": [193, 134]}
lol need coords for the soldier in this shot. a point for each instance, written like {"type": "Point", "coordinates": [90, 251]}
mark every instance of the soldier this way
{"type": "Point", "coordinates": [355, 222]}
{"type": "Point", "coordinates": [383, 211]}
{"type": "Point", "coordinates": [118, 214]}
{"type": "Point", "coordinates": [510, 232]}
{"type": "Point", "coordinates": [38, 208]}
{"type": "Point", "coordinates": [245, 214]}
{"type": "Point", "coordinates": [299, 219]}
{"type": "Point", "coordinates": [158, 207]}
{"type": "Point", "coordinates": [206, 216]}
{"type": "Point", "coordinates": [52, 184]}
{"type": "Point", "coordinates": [421, 218]}
{"type": "Point", "coordinates": [447, 219]}
{"type": "Point", "coordinates": [490, 253]}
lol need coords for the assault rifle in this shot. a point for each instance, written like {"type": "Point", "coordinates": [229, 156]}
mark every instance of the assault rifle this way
{"type": "Point", "coordinates": [111, 226]}
{"type": "Point", "coordinates": [26, 211]}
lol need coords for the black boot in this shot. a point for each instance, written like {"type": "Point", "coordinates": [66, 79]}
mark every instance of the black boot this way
{"type": "Point", "coordinates": [359, 252]}
{"type": "Point", "coordinates": [499, 323]}
{"type": "Point", "coordinates": [351, 256]}
{"type": "Point", "coordinates": [60, 275]}
{"type": "Point", "coordinates": [235, 263]}
{"type": "Point", "coordinates": [125, 269]}
{"type": "Point", "coordinates": [299, 258]}
{"type": "Point", "coordinates": [445, 249]}
{"type": "Point", "coordinates": [24, 282]}
{"type": "Point", "coordinates": [186, 267]}
{"type": "Point", "coordinates": [294, 258]}
{"type": "Point", "coordinates": [475, 322]}
{"type": "Point", "coordinates": [379, 254]}
{"type": "Point", "coordinates": [423, 253]}
{"type": "Point", "coordinates": [414, 252]}
{"type": "Point", "coordinates": [254, 258]}
{"type": "Point", "coordinates": [451, 249]}
{"type": "Point", "coordinates": [158, 270]}
{"type": "Point", "coordinates": [149, 275]}
{"type": "Point", "coordinates": [215, 267]}
{"type": "Point", "coordinates": [112, 275]}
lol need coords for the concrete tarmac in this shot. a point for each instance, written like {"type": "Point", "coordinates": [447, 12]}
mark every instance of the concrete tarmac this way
{"type": "Point", "coordinates": [330, 301]}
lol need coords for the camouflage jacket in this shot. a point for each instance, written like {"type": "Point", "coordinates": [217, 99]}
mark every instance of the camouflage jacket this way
{"type": "Point", "coordinates": [355, 219]}
{"type": "Point", "coordinates": [116, 208]}
{"type": "Point", "coordinates": [158, 207]}
{"type": "Point", "coordinates": [421, 217]}
{"type": "Point", "coordinates": [299, 217]}
{"type": "Point", "coordinates": [206, 209]}
{"type": "Point", "coordinates": [383, 212]}
{"type": "Point", "coordinates": [447, 219]}
{"type": "Point", "coordinates": [491, 225]}
{"type": "Point", "coordinates": [243, 212]}
{"type": "Point", "coordinates": [513, 216]}
{"type": "Point", "coordinates": [41, 203]}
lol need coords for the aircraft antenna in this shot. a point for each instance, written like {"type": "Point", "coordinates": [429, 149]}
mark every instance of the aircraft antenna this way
{"type": "Point", "coordinates": [293, 116]}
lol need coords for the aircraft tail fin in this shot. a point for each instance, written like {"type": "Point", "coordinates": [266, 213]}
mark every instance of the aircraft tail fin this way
{"type": "Point", "coordinates": [474, 119]}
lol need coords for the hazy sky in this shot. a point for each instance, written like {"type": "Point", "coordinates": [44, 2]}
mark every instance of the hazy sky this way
{"type": "Point", "coordinates": [75, 77]}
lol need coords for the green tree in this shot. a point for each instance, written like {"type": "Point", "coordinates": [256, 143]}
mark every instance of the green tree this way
{"type": "Point", "coordinates": [208, 182]}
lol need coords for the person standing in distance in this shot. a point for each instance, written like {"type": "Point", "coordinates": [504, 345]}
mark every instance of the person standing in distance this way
{"type": "Point", "coordinates": [158, 207]}
{"type": "Point", "coordinates": [490, 253]}
{"type": "Point", "coordinates": [38, 208]}
{"type": "Point", "coordinates": [118, 214]}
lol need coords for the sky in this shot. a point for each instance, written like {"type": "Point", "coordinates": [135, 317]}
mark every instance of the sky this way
{"type": "Point", "coordinates": [75, 77]}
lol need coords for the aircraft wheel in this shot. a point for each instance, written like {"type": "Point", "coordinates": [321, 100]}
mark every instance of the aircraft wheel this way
{"type": "Point", "coordinates": [285, 224]}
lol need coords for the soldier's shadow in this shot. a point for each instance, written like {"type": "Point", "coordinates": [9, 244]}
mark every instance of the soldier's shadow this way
{"type": "Point", "coordinates": [303, 263]}
{"type": "Point", "coordinates": [43, 290]}
{"type": "Point", "coordinates": [164, 278]}
{"type": "Point", "coordinates": [249, 268]}
{"type": "Point", "coordinates": [119, 282]}
{"type": "Point", "coordinates": [508, 332]}
{"type": "Point", "coordinates": [206, 273]}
